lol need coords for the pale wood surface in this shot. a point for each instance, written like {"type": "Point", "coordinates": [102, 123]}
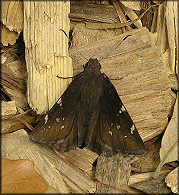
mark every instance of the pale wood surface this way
{"type": "Point", "coordinates": [8, 108]}
{"type": "Point", "coordinates": [172, 180]}
{"type": "Point", "coordinates": [46, 51]}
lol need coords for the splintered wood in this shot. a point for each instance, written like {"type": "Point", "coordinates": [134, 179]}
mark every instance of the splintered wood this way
{"type": "Point", "coordinates": [143, 77]}
{"type": "Point", "coordinates": [114, 172]}
{"type": "Point", "coordinates": [11, 21]}
{"type": "Point", "coordinates": [46, 51]}
{"type": "Point", "coordinates": [142, 68]}
{"type": "Point", "coordinates": [165, 23]}
{"type": "Point", "coordinates": [13, 78]}
{"type": "Point", "coordinates": [57, 172]}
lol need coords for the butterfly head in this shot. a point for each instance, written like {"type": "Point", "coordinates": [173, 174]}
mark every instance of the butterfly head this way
{"type": "Point", "coordinates": [92, 65]}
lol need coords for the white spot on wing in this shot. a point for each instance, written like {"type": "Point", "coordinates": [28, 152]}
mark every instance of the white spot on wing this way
{"type": "Point", "coordinates": [123, 108]}
{"type": "Point", "coordinates": [46, 118]}
{"type": "Point", "coordinates": [62, 127]}
{"type": "Point", "coordinates": [49, 127]}
{"type": "Point", "coordinates": [57, 119]}
{"type": "Point", "coordinates": [125, 135]}
{"type": "Point", "coordinates": [110, 132]}
{"type": "Point", "coordinates": [111, 124]}
{"type": "Point", "coordinates": [63, 118]}
{"type": "Point", "coordinates": [118, 126]}
{"type": "Point", "coordinates": [59, 101]}
{"type": "Point", "coordinates": [132, 129]}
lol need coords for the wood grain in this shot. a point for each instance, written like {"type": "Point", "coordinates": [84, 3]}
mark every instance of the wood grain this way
{"type": "Point", "coordinates": [46, 51]}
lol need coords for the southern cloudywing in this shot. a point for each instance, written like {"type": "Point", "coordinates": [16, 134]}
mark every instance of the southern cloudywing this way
{"type": "Point", "coordinates": [89, 113]}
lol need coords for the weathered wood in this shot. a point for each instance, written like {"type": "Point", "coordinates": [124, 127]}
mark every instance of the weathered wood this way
{"type": "Point", "coordinates": [8, 108]}
{"type": "Point", "coordinates": [150, 159]}
{"type": "Point", "coordinates": [130, 12]}
{"type": "Point", "coordinates": [143, 74]}
{"type": "Point", "coordinates": [82, 157]}
{"type": "Point", "coordinates": [12, 123]}
{"type": "Point", "coordinates": [171, 16]}
{"type": "Point", "coordinates": [13, 80]}
{"type": "Point", "coordinates": [81, 11]}
{"type": "Point", "coordinates": [172, 180]}
{"type": "Point", "coordinates": [134, 20]}
{"type": "Point", "coordinates": [146, 20]}
{"type": "Point", "coordinates": [114, 172]}
{"type": "Point", "coordinates": [83, 36]}
{"type": "Point", "coordinates": [161, 29]}
{"type": "Point", "coordinates": [153, 186]}
{"type": "Point", "coordinates": [46, 51]}
{"type": "Point", "coordinates": [12, 15]}
{"type": "Point", "coordinates": [11, 21]}
{"type": "Point", "coordinates": [143, 176]}
{"type": "Point", "coordinates": [135, 5]}
{"type": "Point", "coordinates": [7, 36]}
{"type": "Point", "coordinates": [56, 171]}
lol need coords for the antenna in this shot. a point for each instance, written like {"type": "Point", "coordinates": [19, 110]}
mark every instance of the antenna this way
{"type": "Point", "coordinates": [71, 42]}
{"type": "Point", "coordinates": [115, 47]}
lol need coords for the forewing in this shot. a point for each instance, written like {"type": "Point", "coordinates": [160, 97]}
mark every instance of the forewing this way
{"type": "Point", "coordinates": [117, 131]}
{"type": "Point", "coordinates": [62, 125]}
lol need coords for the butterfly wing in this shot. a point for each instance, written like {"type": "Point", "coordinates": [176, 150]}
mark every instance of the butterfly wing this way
{"type": "Point", "coordinates": [62, 126]}
{"type": "Point", "coordinates": [115, 130]}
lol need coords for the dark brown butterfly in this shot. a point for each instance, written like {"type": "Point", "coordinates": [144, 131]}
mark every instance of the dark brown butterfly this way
{"type": "Point", "coordinates": [89, 113]}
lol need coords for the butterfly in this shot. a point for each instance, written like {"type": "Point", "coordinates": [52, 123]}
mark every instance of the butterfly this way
{"type": "Point", "coordinates": [91, 114]}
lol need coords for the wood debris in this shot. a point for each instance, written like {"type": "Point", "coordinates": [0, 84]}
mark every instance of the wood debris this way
{"type": "Point", "coordinates": [11, 21]}
{"type": "Point", "coordinates": [143, 69]}
{"type": "Point", "coordinates": [172, 180]}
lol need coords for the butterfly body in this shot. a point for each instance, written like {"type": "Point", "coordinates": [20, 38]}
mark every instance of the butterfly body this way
{"type": "Point", "coordinates": [91, 113]}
